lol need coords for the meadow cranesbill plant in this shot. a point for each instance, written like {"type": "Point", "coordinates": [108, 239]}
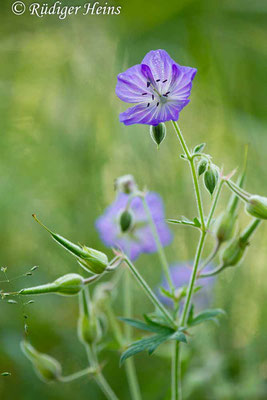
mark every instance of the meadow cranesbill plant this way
{"type": "Point", "coordinates": [135, 224]}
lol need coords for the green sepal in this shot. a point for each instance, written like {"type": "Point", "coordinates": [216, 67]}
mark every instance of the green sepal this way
{"type": "Point", "coordinates": [199, 148]}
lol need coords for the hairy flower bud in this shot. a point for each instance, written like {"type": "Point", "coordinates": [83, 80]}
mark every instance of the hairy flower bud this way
{"type": "Point", "coordinates": [158, 133]}
{"type": "Point", "coordinates": [126, 220]}
{"type": "Point", "coordinates": [47, 368]}
{"type": "Point", "coordinates": [225, 226]}
{"type": "Point", "coordinates": [233, 252]}
{"type": "Point", "coordinates": [66, 285]}
{"type": "Point", "coordinates": [125, 184]}
{"type": "Point", "coordinates": [257, 206]}
{"type": "Point", "coordinates": [211, 177]}
{"type": "Point", "coordinates": [90, 259]}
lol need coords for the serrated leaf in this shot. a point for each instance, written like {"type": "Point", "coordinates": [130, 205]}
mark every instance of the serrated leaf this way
{"type": "Point", "coordinates": [206, 315]}
{"type": "Point", "coordinates": [199, 148]}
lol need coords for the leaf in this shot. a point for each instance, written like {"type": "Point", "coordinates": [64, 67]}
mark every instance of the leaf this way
{"type": "Point", "coordinates": [146, 344]}
{"type": "Point", "coordinates": [179, 336]}
{"type": "Point", "coordinates": [196, 222]}
{"type": "Point", "coordinates": [5, 374]}
{"type": "Point", "coordinates": [206, 315]}
{"type": "Point", "coordinates": [150, 327]}
{"type": "Point", "coordinates": [150, 344]}
{"type": "Point", "coordinates": [199, 148]}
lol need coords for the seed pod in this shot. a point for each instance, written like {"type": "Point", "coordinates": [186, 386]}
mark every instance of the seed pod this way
{"type": "Point", "coordinates": [158, 133]}
{"type": "Point", "coordinates": [126, 220]}
{"type": "Point", "coordinates": [89, 329]}
{"type": "Point", "coordinates": [93, 260]}
{"type": "Point", "coordinates": [47, 368]}
{"type": "Point", "coordinates": [257, 206]}
{"type": "Point", "coordinates": [66, 285]}
{"type": "Point", "coordinates": [211, 178]}
{"type": "Point", "coordinates": [202, 165]}
{"type": "Point", "coordinates": [125, 184]}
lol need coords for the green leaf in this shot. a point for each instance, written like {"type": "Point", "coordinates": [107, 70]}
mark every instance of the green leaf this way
{"type": "Point", "coordinates": [199, 148]}
{"type": "Point", "coordinates": [5, 374]}
{"type": "Point", "coordinates": [194, 224]}
{"type": "Point", "coordinates": [150, 344]}
{"type": "Point", "coordinates": [150, 327]}
{"type": "Point", "coordinates": [206, 315]}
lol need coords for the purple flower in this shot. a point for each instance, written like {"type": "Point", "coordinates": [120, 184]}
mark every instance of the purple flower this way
{"type": "Point", "coordinates": [159, 85]}
{"type": "Point", "coordinates": [138, 238]}
{"type": "Point", "coordinates": [180, 274]}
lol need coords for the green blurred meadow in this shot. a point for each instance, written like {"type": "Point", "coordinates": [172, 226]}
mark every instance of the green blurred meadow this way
{"type": "Point", "coordinates": [62, 146]}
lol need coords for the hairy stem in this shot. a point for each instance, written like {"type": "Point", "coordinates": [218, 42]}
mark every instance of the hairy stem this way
{"type": "Point", "coordinates": [176, 373]}
{"type": "Point", "coordinates": [193, 172]}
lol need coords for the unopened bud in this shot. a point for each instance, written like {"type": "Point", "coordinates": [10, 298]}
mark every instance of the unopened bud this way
{"type": "Point", "coordinates": [66, 285]}
{"type": "Point", "coordinates": [93, 260]}
{"type": "Point", "coordinates": [47, 368]}
{"type": "Point", "coordinates": [125, 184]}
{"type": "Point", "coordinates": [257, 206]}
{"type": "Point", "coordinates": [225, 226]}
{"type": "Point", "coordinates": [211, 177]}
{"type": "Point", "coordinates": [202, 165]}
{"type": "Point", "coordinates": [126, 220]}
{"type": "Point", "coordinates": [233, 252]}
{"type": "Point", "coordinates": [158, 133]}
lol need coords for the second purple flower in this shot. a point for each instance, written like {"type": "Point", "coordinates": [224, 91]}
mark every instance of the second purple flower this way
{"type": "Point", "coordinates": [138, 237]}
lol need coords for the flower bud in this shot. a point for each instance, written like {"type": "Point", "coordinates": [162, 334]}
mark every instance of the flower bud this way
{"type": "Point", "coordinates": [202, 165]}
{"type": "Point", "coordinates": [93, 260]}
{"type": "Point", "coordinates": [257, 206]}
{"type": "Point", "coordinates": [225, 226]}
{"type": "Point", "coordinates": [89, 329]}
{"type": "Point", "coordinates": [211, 178]}
{"type": "Point", "coordinates": [125, 184]}
{"type": "Point", "coordinates": [47, 368]}
{"type": "Point", "coordinates": [66, 285]}
{"type": "Point", "coordinates": [233, 252]}
{"type": "Point", "coordinates": [158, 133]}
{"type": "Point", "coordinates": [126, 220]}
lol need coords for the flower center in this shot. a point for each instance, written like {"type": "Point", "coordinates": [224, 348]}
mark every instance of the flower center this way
{"type": "Point", "coordinates": [158, 92]}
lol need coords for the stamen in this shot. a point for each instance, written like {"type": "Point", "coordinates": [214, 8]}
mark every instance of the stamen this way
{"type": "Point", "coordinates": [157, 103]}
{"type": "Point", "coordinates": [148, 84]}
{"type": "Point", "coordinates": [165, 80]}
{"type": "Point", "coordinates": [157, 80]}
{"type": "Point", "coordinates": [153, 96]}
{"type": "Point", "coordinates": [166, 94]}
{"type": "Point", "coordinates": [144, 94]}
{"type": "Point", "coordinates": [148, 104]}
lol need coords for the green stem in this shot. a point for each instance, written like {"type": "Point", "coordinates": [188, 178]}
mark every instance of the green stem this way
{"type": "Point", "coordinates": [149, 292]}
{"type": "Point", "coordinates": [129, 364]}
{"type": "Point", "coordinates": [99, 378]}
{"type": "Point", "coordinates": [214, 203]}
{"type": "Point", "coordinates": [193, 279]}
{"type": "Point", "coordinates": [212, 273]}
{"type": "Point", "coordinates": [87, 371]}
{"type": "Point", "coordinates": [193, 171]}
{"type": "Point", "coordinates": [249, 230]}
{"type": "Point", "coordinates": [176, 373]}
{"type": "Point", "coordinates": [161, 252]}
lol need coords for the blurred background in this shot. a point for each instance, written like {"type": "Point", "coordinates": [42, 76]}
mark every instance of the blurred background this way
{"type": "Point", "coordinates": [62, 146]}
